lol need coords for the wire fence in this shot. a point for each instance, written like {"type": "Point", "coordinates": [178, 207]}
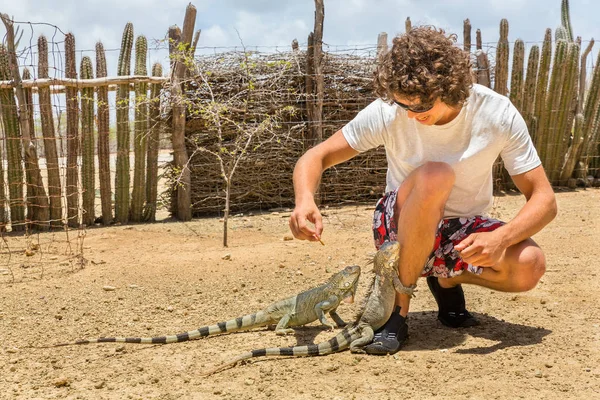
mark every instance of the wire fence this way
{"type": "Point", "coordinates": [98, 146]}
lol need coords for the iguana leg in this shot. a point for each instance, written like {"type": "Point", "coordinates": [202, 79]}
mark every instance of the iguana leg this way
{"type": "Point", "coordinates": [281, 328]}
{"type": "Point", "coordinates": [400, 288]}
{"type": "Point", "coordinates": [324, 306]}
{"type": "Point", "coordinates": [338, 320]}
{"type": "Point", "coordinates": [366, 337]}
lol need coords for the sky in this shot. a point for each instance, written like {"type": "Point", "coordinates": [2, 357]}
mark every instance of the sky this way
{"type": "Point", "coordinates": [271, 25]}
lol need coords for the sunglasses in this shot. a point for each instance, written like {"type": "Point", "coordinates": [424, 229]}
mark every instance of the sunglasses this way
{"type": "Point", "coordinates": [417, 109]}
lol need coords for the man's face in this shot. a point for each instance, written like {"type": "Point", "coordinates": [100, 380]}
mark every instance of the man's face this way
{"type": "Point", "coordinates": [437, 113]}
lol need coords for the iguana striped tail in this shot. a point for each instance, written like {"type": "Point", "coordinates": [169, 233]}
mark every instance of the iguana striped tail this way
{"type": "Point", "coordinates": [339, 342]}
{"type": "Point", "coordinates": [241, 323]}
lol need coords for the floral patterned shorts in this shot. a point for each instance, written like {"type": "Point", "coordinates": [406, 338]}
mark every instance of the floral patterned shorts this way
{"type": "Point", "coordinates": [444, 261]}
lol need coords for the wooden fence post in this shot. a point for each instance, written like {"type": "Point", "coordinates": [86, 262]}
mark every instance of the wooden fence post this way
{"type": "Point", "coordinates": [315, 84]}
{"type": "Point", "coordinates": [180, 158]}
{"type": "Point", "coordinates": [382, 45]}
{"type": "Point", "coordinates": [467, 35]}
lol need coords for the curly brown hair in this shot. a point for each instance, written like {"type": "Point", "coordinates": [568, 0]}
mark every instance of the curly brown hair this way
{"type": "Point", "coordinates": [424, 64]}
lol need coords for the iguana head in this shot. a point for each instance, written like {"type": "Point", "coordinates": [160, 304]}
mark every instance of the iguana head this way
{"type": "Point", "coordinates": [345, 282]}
{"type": "Point", "coordinates": [385, 262]}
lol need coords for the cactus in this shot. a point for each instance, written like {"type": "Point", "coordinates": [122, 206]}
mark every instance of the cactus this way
{"type": "Point", "coordinates": [530, 83]}
{"type": "Point", "coordinates": [103, 138]}
{"type": "Point", "coordinates": [407, 24]}
{"type": "Point", "coordinates": [565, 117]}
{"type": "Point", "coordinates": [478, 41]}
{"type": "Point", "coordinates": [542, 86]}
{"type": "Point", "coordinates": [87, 145]}
{"type": "Point", "coordinates": [566, 20]}
{"type": "Point", "coordinates": [583, 75]}
{"type": "Point", "coordinates": [37, 200]}
{"type": "Point", "coordinates": [48, 132]}
{"type": "Point", "coordinates": [591, 113]}
{"type": "Point", "coordinates": [502, 54]}
{"type": "Point", "coordinates": [549, 127]}
{"type": "Point", "coordinates": [571, 157]}
{"type": "Point", "coordinates": [73, 138]}
{"type": "Point", "coordinates": [3, 216]}
{"type": "Point", "coordinates": [13, 147]}
{"type": "Point", "coordinates": [561, 34]}
{"type": "Point", "coordinates": [123, 133]}
{"type": "Point", "coordinates": [141, 132]}
{"type": "Point", "coordinates": [467, 35]}
{"type": "Point", "coordinates": [516, 80]}
{"type": "Point", "coordinates": [153, 148]}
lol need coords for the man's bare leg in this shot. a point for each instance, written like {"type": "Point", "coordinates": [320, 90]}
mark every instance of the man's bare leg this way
{"type": "Point", "coordinates": [419, 210]}
{"type": "Point", "coordinates": [518, 270]}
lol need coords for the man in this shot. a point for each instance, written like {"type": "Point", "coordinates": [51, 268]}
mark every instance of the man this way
{"type": "Point", "coordinates": [442, 135]}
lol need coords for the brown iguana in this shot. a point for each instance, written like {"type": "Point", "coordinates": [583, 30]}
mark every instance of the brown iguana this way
{"type": "Point", "coordinates": [297, 310]}
{"type": "Point", "coordinates": [377, 308]}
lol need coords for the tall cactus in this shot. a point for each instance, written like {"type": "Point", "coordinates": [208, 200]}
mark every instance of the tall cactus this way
{"type": "Point", "coordinates": [516, 80]}
{"type": "Point", "coordinates": [14, 149]}
{"type": "Point", "coordinates": [141, 132]}
{"type": "Point", "coordinates": [407, 24]}
{"type": "Point", "coordinates": [88, 175]}
{"type": "Point", "coordinates": [48, 132]}
{"type": "Point", "coordinates": [155, 130]}
{"type": "Point", "coordinates": [502, 54]}
{"type": "Point", "coordinates": [566, 20]}
{"type": "Point", "coordinates": [561, 34]}
{"type": "Point", "coordinates": [591, 113]}
{"type": "Point", "coordinates": [103, 138]}
{"type": "Point", "coordinates": [542, 86]}
{"type": "Point", "coordinates": [549, 127]}
{"type": "Point", "coordinates": [478, 41]}
{"type": "Point", "coordinates": [565, 116]}
{"type": "Point", "coordinates": [3, 216]}
{"type": "Point", "coordinates": [527, 107]}
{"type": "Point", "coordinates": [37, 200]}
{"type": "Point", "coordinates": [123, 132]}
{"type": "Point", "coordinates": [573, 151]}
{"type": "Point", "coordinates": [73, 139]}
{"type": "Point", "coordinates": [583, 75]}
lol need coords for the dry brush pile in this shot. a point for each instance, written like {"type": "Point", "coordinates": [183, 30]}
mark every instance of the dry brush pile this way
{"type": "Point", "coordinates": [251, 88]}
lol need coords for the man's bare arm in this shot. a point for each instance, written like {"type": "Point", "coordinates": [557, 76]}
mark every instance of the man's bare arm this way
{"type": "Point", "coordinates": [537, 212]}
{"type": "Point", "coordinates": [307, 175]}
{"type": "Point", "coordinates": [485, 248]}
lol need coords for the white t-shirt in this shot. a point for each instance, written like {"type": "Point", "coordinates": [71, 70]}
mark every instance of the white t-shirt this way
{"type": "Point", "coordinates": [488, 125]}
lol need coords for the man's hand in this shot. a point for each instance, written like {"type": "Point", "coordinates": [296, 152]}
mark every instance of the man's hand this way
{"type": "Point", "coordinates": [482, 249]}
{"type": "Point", "coordinates": [299, 227]}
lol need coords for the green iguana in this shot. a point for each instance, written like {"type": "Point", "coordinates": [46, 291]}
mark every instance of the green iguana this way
{"type": "Point", "coordinates": [377, 308]}
{"type": "Point", "coordinates": [297, 310]}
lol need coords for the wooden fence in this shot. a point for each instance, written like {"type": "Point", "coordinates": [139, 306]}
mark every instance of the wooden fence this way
{"type": "Point", "coordinates": [557, 96]}
{"type": "Point", "coordinates": [54, 168]}
{"type": "Point", "coordinates": [58, 173]}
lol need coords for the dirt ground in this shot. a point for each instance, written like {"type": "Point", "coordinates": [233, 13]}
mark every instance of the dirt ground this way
{"type": "Point", "coordinates": [172, 277]}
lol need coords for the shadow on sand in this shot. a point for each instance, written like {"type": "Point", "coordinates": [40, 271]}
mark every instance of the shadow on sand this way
{"type": "Point", "coordinates": [427, 333]}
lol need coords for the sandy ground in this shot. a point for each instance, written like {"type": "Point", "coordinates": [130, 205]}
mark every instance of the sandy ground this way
{"type": "Point", "coordinates": [171, 277]}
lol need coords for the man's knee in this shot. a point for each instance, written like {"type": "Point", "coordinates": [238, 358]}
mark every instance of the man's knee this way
{"type": "Point", "coordinates": [531, 266]}
{"type": "Point", "coordinates": [434, 179]}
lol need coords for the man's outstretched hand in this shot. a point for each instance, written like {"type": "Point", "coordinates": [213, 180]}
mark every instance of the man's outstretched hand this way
{"type": "Point", "coordinates": [299, 223]}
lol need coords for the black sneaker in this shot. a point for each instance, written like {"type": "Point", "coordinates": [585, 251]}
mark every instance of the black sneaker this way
{"type": "Point", "coordinates": [389, 338]}
{"type": "Point", "coordinates": [451, 303]}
